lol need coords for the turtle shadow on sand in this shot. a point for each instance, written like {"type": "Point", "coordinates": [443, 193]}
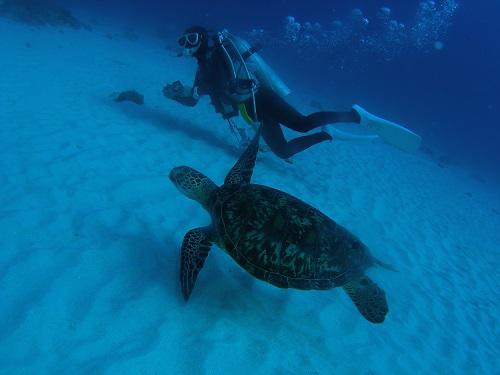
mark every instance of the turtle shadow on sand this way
{"type": "Point", "coordinates": [145, 260]}
{"type": "Point", "coordinates": [235, 298]}
{"type": "Point", "coordinates": [266, 316]}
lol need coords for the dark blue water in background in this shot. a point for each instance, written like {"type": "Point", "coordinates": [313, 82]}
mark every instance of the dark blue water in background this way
{"type": "Point", "coordinates": [449, 95]}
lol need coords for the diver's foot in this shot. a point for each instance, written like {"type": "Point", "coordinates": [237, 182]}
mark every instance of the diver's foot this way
{"type": "Point", "coordinates": [324, 129]}
{"type": "Point", "coordinates": [389, 131]}
{"type": "Point", "coordinates": [326, 135]}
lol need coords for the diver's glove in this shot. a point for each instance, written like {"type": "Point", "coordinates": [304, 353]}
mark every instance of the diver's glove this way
{"type": "Point", "coordinates": [180, 93]}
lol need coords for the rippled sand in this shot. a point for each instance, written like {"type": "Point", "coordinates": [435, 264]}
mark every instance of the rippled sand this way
{"type": "Point", "coordinates": [91, 228]}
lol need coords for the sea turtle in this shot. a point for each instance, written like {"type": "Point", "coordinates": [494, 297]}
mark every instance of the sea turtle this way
{"type": "Point", "coordinates": [276, 237]}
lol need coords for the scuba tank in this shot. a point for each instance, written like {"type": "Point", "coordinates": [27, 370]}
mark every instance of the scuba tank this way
{"type": "Point", "coordinates": [264, 74]}
{"type": "Point", "coordinates": [241, 84]}
{"type": "Point", "coordinates": [248, 72]}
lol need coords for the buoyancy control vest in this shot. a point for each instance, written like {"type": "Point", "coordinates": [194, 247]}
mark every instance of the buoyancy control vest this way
{"type": "Point", "coordinates": [247, 71]}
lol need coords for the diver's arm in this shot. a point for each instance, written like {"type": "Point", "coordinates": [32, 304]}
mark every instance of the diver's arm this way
{"type": "Point", "coordinates": [183, 94]}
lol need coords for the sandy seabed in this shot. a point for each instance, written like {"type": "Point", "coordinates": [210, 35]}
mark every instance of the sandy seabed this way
{"type": "Point", "coordinates": [90, 230]}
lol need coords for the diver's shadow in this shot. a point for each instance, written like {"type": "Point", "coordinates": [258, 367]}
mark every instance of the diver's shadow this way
{"type": "Point", "coordinates": [163, 120]}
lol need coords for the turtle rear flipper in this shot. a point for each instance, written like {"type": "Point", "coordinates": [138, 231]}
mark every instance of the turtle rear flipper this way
{"type": "Point", "coordinates": [368, 298]}
{"type": "Point", "coordinates": [194, 251]}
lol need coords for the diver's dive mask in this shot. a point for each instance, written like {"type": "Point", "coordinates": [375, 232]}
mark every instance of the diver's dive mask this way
{"type": "Point", "coordinates": [190, 43]}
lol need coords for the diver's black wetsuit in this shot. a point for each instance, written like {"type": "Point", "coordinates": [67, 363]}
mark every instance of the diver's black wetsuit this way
{"type": "Point", "coordinates": [272, 109]}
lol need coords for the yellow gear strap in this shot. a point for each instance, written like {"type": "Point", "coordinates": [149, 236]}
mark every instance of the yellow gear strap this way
{"type": "Point", "coordinates": [245, 115]}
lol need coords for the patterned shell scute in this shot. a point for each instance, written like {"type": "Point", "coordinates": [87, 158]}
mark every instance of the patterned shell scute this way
{"type": "Point", "coordinates": [281, 239]}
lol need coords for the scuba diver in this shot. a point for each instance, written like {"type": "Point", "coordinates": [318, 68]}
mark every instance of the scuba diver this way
{"type": "Point", "coordinates": [239, 82]}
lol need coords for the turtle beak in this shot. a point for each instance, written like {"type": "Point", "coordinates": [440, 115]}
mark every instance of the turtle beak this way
{"type": "Point", "coordinates": [171, 175]}
{"type": "Point", "coordinates": [180, 178]}
{"type": "Point", "coordinates": [192, 183]}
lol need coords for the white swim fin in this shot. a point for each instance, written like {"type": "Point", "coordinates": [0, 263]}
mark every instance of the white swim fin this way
{"type": "Point", "coordinates": [390, 132]}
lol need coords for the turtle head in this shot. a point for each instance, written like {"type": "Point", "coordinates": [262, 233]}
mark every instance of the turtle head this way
{"type": "Point", "coordinates": [193, 184]}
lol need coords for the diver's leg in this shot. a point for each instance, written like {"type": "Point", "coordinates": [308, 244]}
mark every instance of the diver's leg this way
{"type": "Point", "coordinates": [287, 115]}
{"type": "Point", "coordinates": [273, 135]}
{"type": "Point", "coordinates": [317, 119]}
{"type": "Point", "coordinates": [301, 143]}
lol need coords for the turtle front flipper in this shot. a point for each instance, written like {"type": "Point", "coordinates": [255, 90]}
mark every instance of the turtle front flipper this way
{"type": "Point", "coordinates": [242, 171]}
{"type": "Point", "coordinates": [368, 298]}
{"type": "Point", "coordinates": [194, 251]}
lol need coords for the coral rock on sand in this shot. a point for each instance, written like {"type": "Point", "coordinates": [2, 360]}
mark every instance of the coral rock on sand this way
{"type": "Point", "coordinates": [129, 96]}
{"type": "Point", "coordinates": [38, 12]}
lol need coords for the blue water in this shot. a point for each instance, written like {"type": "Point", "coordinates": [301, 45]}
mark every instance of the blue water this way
{"type": "Point", "coordinates": [90, 227]}
{"type": "Point", "coordinates": [449, 94]}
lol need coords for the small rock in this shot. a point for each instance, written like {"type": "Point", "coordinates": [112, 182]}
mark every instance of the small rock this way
{"type": "Point", "coordinates": [38, 13]}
